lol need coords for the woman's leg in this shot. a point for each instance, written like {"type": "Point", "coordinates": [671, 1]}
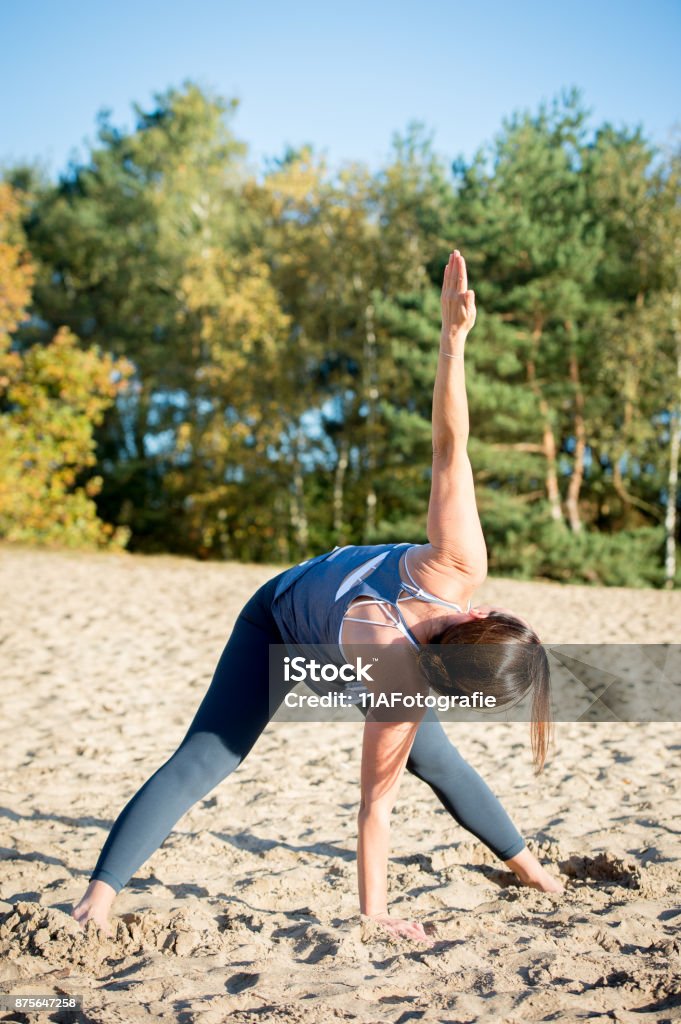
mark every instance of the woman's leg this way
{"type": "Point", "coordinates": [233, 713]}
{"type": "Point", "coordinates": [461, 790]}
{"type": "Point", "coordinates": [470, 801]}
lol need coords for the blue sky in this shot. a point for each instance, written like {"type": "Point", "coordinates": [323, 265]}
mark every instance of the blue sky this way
{"type": "Point", "coordinates": [343, 76]}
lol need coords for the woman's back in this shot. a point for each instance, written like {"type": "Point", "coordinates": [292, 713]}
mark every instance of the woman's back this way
{"type": "Point", "coordinates": [313, 596]}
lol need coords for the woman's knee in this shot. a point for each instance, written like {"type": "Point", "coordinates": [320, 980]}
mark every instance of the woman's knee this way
{"type": "Point", "coordinates": [429, 770]}
{"type": "Point", "coordinates": [433, 761]}
{"type": "Point", "coordinates": [199, 765]}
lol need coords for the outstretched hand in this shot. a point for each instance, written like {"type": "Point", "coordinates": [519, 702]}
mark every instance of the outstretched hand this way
{"type": "Point", "coordinates": [400, 928]}
{"type": "Point", "coordinates": [457, 301]}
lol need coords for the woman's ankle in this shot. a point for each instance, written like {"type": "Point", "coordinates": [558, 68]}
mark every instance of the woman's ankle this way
{"type": "Point", "coordinates": [530, 872]}
{"type": "Point", "coordinates": [524, 864]}
{"type": "Point", "coordinates": [99, 891]}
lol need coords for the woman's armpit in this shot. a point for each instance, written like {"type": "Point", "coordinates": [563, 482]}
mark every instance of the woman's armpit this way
{"type": "Point", "coordinates": [446, 575]}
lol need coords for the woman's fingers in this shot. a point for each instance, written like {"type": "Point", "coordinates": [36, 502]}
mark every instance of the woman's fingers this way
{"type": "Point", "coordinates": [448, 271]}
{"type": "Point", "coordinates": [462, 275]}
{"type": "Point", "coordinates": [411, 929]}
{"type": "Point", "coordinates": [456, 275]}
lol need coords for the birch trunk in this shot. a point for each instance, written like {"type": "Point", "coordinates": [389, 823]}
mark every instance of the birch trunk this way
{"type": "Point", "coordinates": [371, 393]}
{"type": "Point", "coordinates": [298, 514]}
{"type": "Point", "coordinates": [674, 447]}
{"type": "Point", "coordinates": [339, 488]}
{"type": "Point", "coordinates": [630, 382]}
{"type": "Point", "coordinates": [575, 484]}
{"type": "Point", "coordinates": [548, 436]}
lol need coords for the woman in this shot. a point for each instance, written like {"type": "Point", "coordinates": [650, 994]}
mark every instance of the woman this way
{"type": "Point", "coordinates": [395, 594]}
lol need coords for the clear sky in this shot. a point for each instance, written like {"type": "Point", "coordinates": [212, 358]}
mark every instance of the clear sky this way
{"type": "Point", "coordinates": [343, 76]}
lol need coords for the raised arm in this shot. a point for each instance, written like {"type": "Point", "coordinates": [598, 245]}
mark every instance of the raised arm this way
{"type": "Point", "coordinates": [456, 555]}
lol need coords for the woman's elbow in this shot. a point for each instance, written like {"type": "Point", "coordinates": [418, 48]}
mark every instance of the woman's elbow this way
{"type": "Point", "coordinates": [448, 446]}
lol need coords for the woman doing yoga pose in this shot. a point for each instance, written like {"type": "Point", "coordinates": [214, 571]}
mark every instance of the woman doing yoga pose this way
{"type": "Point", "coordinates": [397, 594]}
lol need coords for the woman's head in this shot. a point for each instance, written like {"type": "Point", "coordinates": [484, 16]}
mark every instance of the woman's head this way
{"type": "Point", "coordinates": [491, 649]}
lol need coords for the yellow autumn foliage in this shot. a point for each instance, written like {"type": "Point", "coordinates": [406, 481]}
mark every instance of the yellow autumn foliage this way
{"type": "Point", "coordinates": [51, 398]}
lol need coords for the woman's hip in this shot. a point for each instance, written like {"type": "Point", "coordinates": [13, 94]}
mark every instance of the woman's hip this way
{"type": "Point", "coordinates": [258, 608]}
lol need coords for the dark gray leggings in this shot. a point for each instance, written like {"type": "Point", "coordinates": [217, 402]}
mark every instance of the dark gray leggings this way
{"type": "Point", "coordinates": [236, 708]}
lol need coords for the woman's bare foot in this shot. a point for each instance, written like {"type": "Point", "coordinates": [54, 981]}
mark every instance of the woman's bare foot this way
{"type": "Point", "coordinates": [95, 905]}
{"type": "Point", "coordinates": [529, 871]}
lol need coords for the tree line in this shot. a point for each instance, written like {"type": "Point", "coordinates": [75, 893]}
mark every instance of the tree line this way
{"type": "Point", "coordinates": [208, 358]}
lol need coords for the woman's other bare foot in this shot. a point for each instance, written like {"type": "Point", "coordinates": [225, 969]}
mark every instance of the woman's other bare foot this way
{"type": "Point", "coordinates": [95, 905]}
{"type": "Point", "coordinates": [529, 871]}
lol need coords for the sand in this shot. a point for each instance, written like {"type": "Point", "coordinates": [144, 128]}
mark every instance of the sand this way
{"type": "Point", "coordinates": [248, 911]}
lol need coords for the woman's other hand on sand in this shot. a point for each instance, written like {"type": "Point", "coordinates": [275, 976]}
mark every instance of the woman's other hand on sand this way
{"type": "Point", "coordinates": [402, 928]}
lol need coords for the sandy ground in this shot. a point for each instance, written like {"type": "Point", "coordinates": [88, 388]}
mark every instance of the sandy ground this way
{"type": "Point", "coordinates": [248, 911]}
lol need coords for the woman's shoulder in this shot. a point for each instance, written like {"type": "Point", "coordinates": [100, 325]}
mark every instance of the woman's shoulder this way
{"type": "Point", "coordinates": [430, 569]}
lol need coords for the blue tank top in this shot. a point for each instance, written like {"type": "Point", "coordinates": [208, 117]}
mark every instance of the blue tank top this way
{"type": "Point", "coordinates": [312, 597]}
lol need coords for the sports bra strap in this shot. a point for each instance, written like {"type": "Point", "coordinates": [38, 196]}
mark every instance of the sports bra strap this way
{"type": "Point", "coordinates": [396, 622]}
{"type": "Point", "coordinates": [392, 607]}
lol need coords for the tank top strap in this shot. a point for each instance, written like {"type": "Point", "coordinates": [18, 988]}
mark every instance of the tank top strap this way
{"type": "Point", "coordinates": [386, 584]}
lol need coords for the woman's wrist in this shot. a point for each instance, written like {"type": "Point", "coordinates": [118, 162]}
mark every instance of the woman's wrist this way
{"type": "Point", "coordinates": [452, 340]}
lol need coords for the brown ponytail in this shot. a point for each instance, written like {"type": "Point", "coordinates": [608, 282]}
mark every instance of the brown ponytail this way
{"type": "Point", "coordinates": [507, 656]}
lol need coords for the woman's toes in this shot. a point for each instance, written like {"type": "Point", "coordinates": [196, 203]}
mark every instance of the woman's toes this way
{"type": "Point", "coordinates": [546, 883]}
